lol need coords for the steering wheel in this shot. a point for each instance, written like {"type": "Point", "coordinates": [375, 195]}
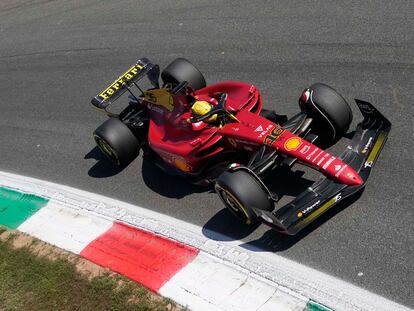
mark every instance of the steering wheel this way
{"type": "Point", "coordinates": [220, 108]}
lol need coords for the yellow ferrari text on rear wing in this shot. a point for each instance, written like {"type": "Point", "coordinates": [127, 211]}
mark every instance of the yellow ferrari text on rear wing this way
{"type": "Point", "coordinates": [129, 78]}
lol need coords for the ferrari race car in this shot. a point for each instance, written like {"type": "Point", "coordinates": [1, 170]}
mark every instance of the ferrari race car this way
{"type": "Point", "coordinates": [219, 135]}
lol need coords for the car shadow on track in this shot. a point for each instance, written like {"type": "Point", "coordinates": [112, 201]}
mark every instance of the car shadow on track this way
{"type": "Point", "coordinates": [272, 241]}
{"type": "Point", "coordinates": [154, 178]}
{"type": "Point", "coordinates": [164, 184]}
{"type": "Point", "coordinates": [103, 167]}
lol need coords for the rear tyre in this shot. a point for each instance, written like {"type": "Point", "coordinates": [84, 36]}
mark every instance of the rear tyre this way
{"type": "Point", "coordinates": [242, 194]}
{"type": "Point", "coordinates": [331, 113]}
{"type": "Point", "coordinates": [117, 141]}
{"type": "Point", "coordinates": [182, 70]}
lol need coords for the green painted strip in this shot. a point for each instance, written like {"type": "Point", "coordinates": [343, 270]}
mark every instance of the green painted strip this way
{"type": "Point", "coordinates": [16, 207]}
{"type": "Point", "coordinates": [314, 306]}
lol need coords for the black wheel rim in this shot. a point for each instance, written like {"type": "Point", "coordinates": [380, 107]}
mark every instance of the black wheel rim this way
{"type": "Point", "coordinates": [234, 205]}
{"type": "Point", "coordinates": [107, 149]}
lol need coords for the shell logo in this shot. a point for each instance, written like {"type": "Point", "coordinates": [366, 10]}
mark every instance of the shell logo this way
{"type": "Point", "coordinates": [293, 143]}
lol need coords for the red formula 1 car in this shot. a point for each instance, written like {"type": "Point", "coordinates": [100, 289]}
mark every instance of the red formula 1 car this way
{"type": "Point", "coordinates": [220, 135]}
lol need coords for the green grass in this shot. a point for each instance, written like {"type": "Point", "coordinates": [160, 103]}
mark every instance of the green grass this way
{"type": "Point", "coordinates": [30, 282]}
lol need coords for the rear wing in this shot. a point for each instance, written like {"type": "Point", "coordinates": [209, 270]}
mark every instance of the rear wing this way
{"type": "Point", "coordinates": [142, 68]}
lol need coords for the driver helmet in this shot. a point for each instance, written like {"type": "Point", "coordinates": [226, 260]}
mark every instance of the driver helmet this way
{"type": "Point", "coordinates": [200, 108]}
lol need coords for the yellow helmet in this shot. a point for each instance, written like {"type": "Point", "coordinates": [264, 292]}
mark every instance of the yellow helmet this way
{"type": "Point", "coordinates": [201, 107]}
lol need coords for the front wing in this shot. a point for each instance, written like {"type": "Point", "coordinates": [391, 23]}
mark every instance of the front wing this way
{"type": "Point", "coordinates": [361, 154]}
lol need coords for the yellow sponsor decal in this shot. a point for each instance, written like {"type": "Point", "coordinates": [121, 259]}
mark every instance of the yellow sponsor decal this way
{"type": "Point", "coordinates": [273, 136]}
{"type": "Point", "coordinates": [293, 143]}
{"type": "Point", "coordinates": [377, 147]}
{"type": "Point", "coordinates": [160, 97]}
{"type": "Point", "coordinates": [319, 211]}
{"type": "Point", "coordinates": [121, 81]}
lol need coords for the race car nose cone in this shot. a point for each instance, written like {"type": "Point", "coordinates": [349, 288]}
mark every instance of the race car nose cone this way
{"type": "Point", "coordinates": [343, 173]}
{"type": "Point", "coordinates": [350, 177]}
{"type": "Point", "coordinates": [356, 180]}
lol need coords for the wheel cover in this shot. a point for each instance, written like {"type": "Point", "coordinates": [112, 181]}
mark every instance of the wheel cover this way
{"type": "Point", "coordinates": [106, 149]}
{"type": "Point", "coordinates": [234, 205]}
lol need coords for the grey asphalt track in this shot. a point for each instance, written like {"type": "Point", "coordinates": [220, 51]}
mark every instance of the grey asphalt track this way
{"type": "Point", "coordinates": [55, 55]}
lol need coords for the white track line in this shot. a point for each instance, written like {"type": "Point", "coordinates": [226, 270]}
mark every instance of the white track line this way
{"type": "Point", "coordinates": [289, 275]}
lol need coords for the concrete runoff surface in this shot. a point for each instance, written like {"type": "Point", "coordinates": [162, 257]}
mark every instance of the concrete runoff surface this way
{"type": "Point", "coordinates": [54, 56]}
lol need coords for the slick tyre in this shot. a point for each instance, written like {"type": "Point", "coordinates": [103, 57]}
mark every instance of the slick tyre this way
{"type": "Point", "coordinates": [117, 141]}
{"type": "Point", "coordinates": [242, 194]}
{"type": "Point", "coordinates": [182, 70]}
{"type": "Point", "coordinates": [331, 113]}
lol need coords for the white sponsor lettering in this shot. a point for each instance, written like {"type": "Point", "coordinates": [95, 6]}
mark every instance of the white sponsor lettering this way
{"type": "Point", "coordinates": [259, 129]}
{"type": "Point", "coordinates": [367, 145]}
{"type": "Point", "coordinates": [314, 159]}
{"type": "Point", "coordinates": [325, 166]}
{"type": "Point", "coordinates": [312, 153]}
{"type": "Point", "coordinates": [305, 149]}
{"type": "Point", "coordinates": [309, 208]}
{"type": "Point", "coordinates": [337, 167]}
{"type": "Point", "coordinates": [321, 160]}
{"type": "Point", "coordinates": [341, 170]}
{"type": "Point", "coordinates": [263, 131]}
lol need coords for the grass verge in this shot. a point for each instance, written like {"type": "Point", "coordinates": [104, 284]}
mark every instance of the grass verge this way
{"type": "Point", "coordinates": [37, 276]}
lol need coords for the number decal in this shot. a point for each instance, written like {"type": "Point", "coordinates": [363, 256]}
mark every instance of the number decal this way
{"type": "Point", "coordinates": [151, 97]}
{"type": "Point", "coordinates": [273, 136]}
{"type": "Point", "coordinates": [338, 197]}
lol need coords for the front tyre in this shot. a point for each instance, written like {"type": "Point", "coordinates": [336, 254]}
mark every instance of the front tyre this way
{"type": "Point", "coordinates": [242, 194]}
{"type": "Point", "coordinates": [331, 113]}
{"type": "Point", "coordinates": [117, 141]}
{"type": "Point", "coordinates": [181, 70]}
